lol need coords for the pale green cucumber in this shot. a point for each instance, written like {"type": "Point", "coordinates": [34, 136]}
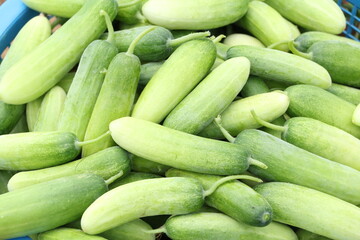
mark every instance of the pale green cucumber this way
{"type": "Point", "coordinates": [356, 116]}
{"type": "Point", "coordinates": [352, 95]}
{"type": "Point", "coordinates": [295, 32]}
{"type": "Point", "coordinates": [274, 85]}
{"type": "Point", "coordinates": [32, 112]}
{"type": "Point", "coordinates": [4, 179]}
{"type": "Point", "coordinates": [221, 50]}
{"type": "Point", "coordinates": [194, 15]}
{"type": "Point", "coordinates": [320, 15]}
{"type": "Point", "coordinates": [254, 86]}
{"type": "Point", "coordinates": [312, 210]}
{"type": "Point", "coordinates": [134, 230]}
{"type": "Point", "coordinates": [140, 164]}
{"type": "Point", "coordinates": [175, 79]}
{"type": "Point", "coordinates": [237, 116]}
{"type": "Point", "coordinates": [236, 39]}
{"type": "Point", "coordinates": [67, 233]}
{"type": "Point", "coordinates": [148, 70]}
{"type": "Point", "coordinates": [35, 74]}
{"type": "Point", "coordinates": [132, 177]}
{"type": "Point", "coordinates": [105, 164]}
{"type": "Point", "coordinates": [305, 235]}
{"type": "Point", "coordinates": [129, 12]}
{"type": "Point", "coordinates": [211, 97]}
{"type": "Point", "coordinates": [21, 126]}
{"type": "Point", "coordinates": [313, 102]}
{"type": "Point", "coordinates": [269, 63]}
{"type": "Point", "coordinates": [65, 83]}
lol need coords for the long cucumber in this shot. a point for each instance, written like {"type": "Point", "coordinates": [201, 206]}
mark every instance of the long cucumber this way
{"type": "Point", "coordinates": [32, 112]}
{"type": "Point", "coordinates": [350, 94]}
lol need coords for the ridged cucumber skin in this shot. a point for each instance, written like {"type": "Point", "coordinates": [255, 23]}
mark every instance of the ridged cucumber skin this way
{"type": "Point", "coordinates": [132, 177]}
{"type": "Point", "coordinates": [134, 230]}
{"type": "Point", "coordinates": [211, 97]}
{"type": "Point", "coordinates": [143, 198]}
{"type": "Point", "coordinates": [4, 179]}
{"type": "Point", "coordinates": [352, 95]}
{"type": "Point", "coordinates": [32, 112]}
{"type": "Point", "coordinates": [85, 88]}
{"type": "Point", "coordinates": [148, 70]}
{"type": "Point", "coordinates": [214, 226]}
{"type": "Point", "coordinates": [105, 164]}
{"type": "Point", "coordinates": [288, 163]}
{"type": "Point", "coordinates": [34, 74]}
{"type": "Point", "coordinates": [237, 116]}
{"type": "Point", "coordinates": [269, 63]}
{"type": "Point", "coordinates": [356, 116]}
{"type": "Point", "coordinates": [254, 85]}
{"type": "Point", "coordinates": [176, 149]}
{"type": "Point", "coordinates": [114, 101]}
{"type": "Point", "coordinates": [66, 82]}
{"type": "Point", "coordinates": [324, 140]}
{"type": "Point", "coordinates": [234, 198]}
{"type": "Point", "coordinates": [266, 24]}
{"type": "Point", "coordinates": [53, 204]}
{"type": "Point", "coordinates": [306, 235]}
{"type": "Point", "coordinates": [313, 102]}
{"type": "Point", "coordinates": [312, 210]}
{"type": "Point", "coordinates": [34, 150]}
{"type": "Point", "coordinates": [321, 15]}
{"type": "Point", "coordinates": [180, 73]}
{"type": "Point", "coordinates": [140, 164]}
{"type": "Point", "coordinates": [242, 39]}
{"type": "Point", "coordinates": [67, 233]}
{"type": "Point", "coordinates": [50, 110]}
{"type": "Point", "coordinates": [194, 15]}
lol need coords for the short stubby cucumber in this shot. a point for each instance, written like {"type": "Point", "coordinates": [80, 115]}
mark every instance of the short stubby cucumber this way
{"type": "Point", "coordinates": [67, 233]}
{"type": "Point", "coordinates": [306, 235]}
{"type": "Point", "coordinates": [312, 210]}
{"type": "Point", "coordinates": [236, 39]}
{"type": "Point", "coordinates": [350, 94]}
{"type": "Point", "coordinates": [313, 102]}
{"type": "Point", "coordinates": [237, 116]}
{"type": "Point", "coordinates": [53, 204]}
{"type": "Point", "coordinates": [320, 15]}
{"type": "Point", "coordinates": [132, 177]}
{"type": "Point", "coordinates": [211, 97]}
{"type": "Point", "coordinates": [356, 116]}
{"type": "Point", "coordinates": [32, 112]}
{"type": "Point", "coordinates": [35, 74]}
{"type": "Point", "coordinates": [140, 164]}
{"type": "Point", "coordinates": [180, 73]}
{"type": "Point", "coordinates": [66, 81]}
{"type": "Point", "coordinates": [269, 63]}
{"type": "Point", "coordinates": [105, 164]}
{"type": "Point", "coordinates": [148, 70]}
{"type": "Point", "coordinates": [254, 86]}
{"type": "Point", "coordinates": [194, 15]}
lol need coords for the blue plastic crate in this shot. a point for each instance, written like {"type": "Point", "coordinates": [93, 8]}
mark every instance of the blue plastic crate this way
{"type": "Point", "coordinates": [353, 18]}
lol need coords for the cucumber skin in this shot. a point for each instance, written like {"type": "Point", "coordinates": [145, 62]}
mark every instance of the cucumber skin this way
{"type": "Point", "coordinates": [49, 200]}
{"type": "Point", "coordinates": [9, 116]}
{"type": "Point", "coordinates": [313, 102]}
{"type": "Point", "coordinates": [269, 63]}
{"type": "Point", "coordinates": [4, 179]}
{"type": "Point", "coordinates": [134, 230]}
{"type": "Point", "coordinates": [140, 164]}
{"type": "Point", "coordinates": [67, 233]}
{"type": "Point", "coordinates": [305, 235]}
{"type": "Point", "coordinates": [242, 39]}
{"type": "Point", "coordinates": [34, 150]}
{"type": "Point", "coordinates": [352, 95]}
{"type": "Point", "coordinates": [66, 82]}
{"type": "Point", "coordinates": [234, 198]}
{"type": "Point", "coordinates": [356, 116]}
{"type": "Point", "coordinates": [288, 163]}
{"type": "Point", "coordinates": [132, 177]}
{"type": "Point", "coordinates": [32, 112]}
{"type": "Point", "coordinates": [312, 210]}
{"type": "Point", "coordinates": [148, 70]}
{"type": "Point", "coordinates": [254, 86]}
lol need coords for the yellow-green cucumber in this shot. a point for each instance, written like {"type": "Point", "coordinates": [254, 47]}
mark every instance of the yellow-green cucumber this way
{"type": "Point", "coordinates": [184, 69]}
{"type": "Point", "coordinates": [350, 94]}
{"type": "Point", "coordinates": [35, 74]}
{"type": "Point", "coordinates": [295, 32]}
{"type": "Point", "coordinates": [306, 235]}
{"type": "Point", "coordinates": [237, 116]}
{"type": "Point", "coordinates": [50, 110]}
{"type": "Point", "coordinates": [4, 179]}
{"type": "Point", "coordinates": [194, 15]}
{"type": "Point", "coordinates": [176, 149]}
{"type": "Point", "coordinates": [236, 39]}
{"type": "Point", "coordinates": [266, 24]}
{"type": "Point", "coordinates": [132, 177]}
{"type": "Point", "coordinates": [254, 86]}
{"type": "Point", "coordinates": [140, 164]}
{"type": "Point", "coordinates": [320, 15]}
{"type": "Point", "coordinates": [65, 83]}
{"type": "Point", "coordinates": [32, 112]}
{"type": "Point", "coordinates": [312, 210]}
{"type": "Point", "coordinates": [211, 97]}
{"type": "Point", "coordinates": [148, 70]}
{"type": "Point", "coordinates": [106, 163]}
{"type": "Point", "coordinates": [314, 102]}
{"type": "Point", "coordinates": [21, 125]}
{"type": "Point", "coordinates": [270, 64]}
{"type": "Point", "coordinates": [356, 116]}
{"type": "Point", "coordinates": [67, 233]}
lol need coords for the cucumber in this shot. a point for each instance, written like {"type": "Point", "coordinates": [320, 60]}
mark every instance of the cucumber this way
{"type": "Point", "coordinates": [222, 50]}
{"type": "Point", "coordinates": [4, 179]}
{"type": "Point", "coordinates": [40, 73]}
{"type": "Point", "coordinates": [279, 121]}
{"type": "Point", "coordinates": [65, 83]}
{"type": "Point", "coordinates": [32, 112]}
{"type": "Point", "coordinates": [312, 210]}
{"type": "Point", "coordinates": [67, 233]}
{"type": "Point", "coordinates": [129, 12]}
{"type": "Point", "coordinates": [295, 32]}
{"type": "Point", "coordinates": [148, 70]}
{"type": "Point", "coordinates": [175, 79]}
{"type": "Point", "coordinates": [313, 102]}
{"type": "Point", "coordinates": [305, 235]}
{"type": "Point", "coordinates": [134, 230]}
{"type": "Point", "coordinates": [269, 63]}
{"type": "Point", "coordinates": [236, 39]}
{"type": "Point", "coordinates": [254, 86]}
{"type": "Point", "coordinates": [194, 15]}
{"type": "Point", "coordinates": [211, 97]}
{"type": "Point", "coordinates": [356, 116]}
{"type": "Point", "coordinates": [237, 116]}
{"type": "Point", "coordinates": [105, 164]}
{"type": "Point", "coordinates": [50, 110]}
{"type": "Point", "coordinates": [140, 164]}
{"type": "Point", "coordinates": [48, 202]}
{"type": "Point", "coordinates": [352, 95]}
{"type": "Point", "coordinates": [321, 15]}
{"type": "Point", "coordinates": [132, 177]}
{"type": "Point", "coordinates": [21, 125]}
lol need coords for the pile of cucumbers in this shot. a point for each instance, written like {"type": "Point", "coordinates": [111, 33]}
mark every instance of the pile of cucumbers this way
{"type": "Point", "coordinates": [139, 120]}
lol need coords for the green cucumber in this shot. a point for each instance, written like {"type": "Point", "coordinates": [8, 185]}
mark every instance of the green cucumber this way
{"type": "Point", "coordinates": [312, 210]}
{"type": "Point", "coordinates": [4, 179]}
{"type": "Point", "coordinates": [279, 121]}
{"type": "Point", "coordinates": [21, 125]}
{"type": "Point", "coordinates": [34, 74]}
{"type": "Point", "coordinates": [254, 86]}
{"type": "Point", "coordinates": [352, 95]}
{"type": "Point", "coordinates": [221, 50]}
{"type": "Point", "coordinates": [53, 204]}
{"type": "Point", "coordinates": [211, 97]}
{"type": "Point", "coordinates": [236, 39]}
{"type": "Point", "coordinates": [175, 79]}
{"type": "Point", "coordinates": [194, 15]}
{"type": "Point", "coordinates": [356, 116]}
{"type": "Point", "coordinates": [132, 177]}
{"type": "Point", "coordinates": [134, 230]}
{"type": "Point", "coordinates": [305, 235]}
{"type": "Point", "coordinates": [129, 12]}
{"type": "Point", "coordinates": [313, 102]}
{"type": "Point", "coordinates": [140, 164]}
{"type": "Point", "coordinates": [269, 63]}
{"type": "Point", "coordinates": [32, 112]}
{"type": "Point", "coordinates": [237, 116]}
{"type": "Point", "coordinates": [295, 32]}
{"type": "Point", "coordinates": [65, 83]}
{"type": "Point", "coordinates": [148, 70]}
{"type": "Point", "coordinates": [67, 233]}
{"type": "Point", "coordinates": [320, 15]}
{"type": "Point", "coordinates": [105, 164]}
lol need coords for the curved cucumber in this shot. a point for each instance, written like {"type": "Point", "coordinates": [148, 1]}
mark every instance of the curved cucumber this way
{"type": "Point", "coordinates": [140, 164]}
{"type": "Point", "coordinates": [269, 63]}
{"type": "Point", "coordinates": [132, 177]}
{"type": "Point", "coordinates": [312, 210]}
{"type": "Point", "coordinates": [211, 97]}
{"type": "Point", "coordinates": [356, 116]}
{"type": "Point", "coordinates": [134, 230]}
{"type": "Point", "coordinates": [148, 70]}
{"type": "Point", "coordinates": [66, 82]}
{"type": "Point", "coordinates": [352, 95]}
{"type": "Point", "coordinates": [67, 233]}
{"type": "Point", "coordinates": [32, 112]}
{"type": "Point", "coordinates": [236, 39]}
{"type": "Point", "coordinates": [254, 86]}
{"type": "Point", "coordinates": [305, 235]}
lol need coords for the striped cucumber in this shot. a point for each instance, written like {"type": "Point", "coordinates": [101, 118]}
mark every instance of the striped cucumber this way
{"type": "Point", "coordinates": [352, 95]}
{"type": "Point", "coordinates": [35, 74]}
{"type": "Point", "coordinates": [254, 86]}
{"type": "Point", "coordinates": [140, 164]}
{"type": "Point", "coordinates": [269, 63]}
{"type": "Point", "coordinates": [356, 116]}
{"type": "Point", "coordinates": [211, 97]}
{"type": "Point", "coordinates": [32, 112]}
{"type": "Point", "coordinates": [305, 235]}
{"type": "Point", "coordinates": [132, 177]}
{"type": "Point", "coordinates": [312, 210]}
{"type": "Point", "coordinates": [236, 39]}
{"type": "Point", "coordinates": [175, 79]}
{"type": "Point", "coordinates": [4, 179]}
{"type": "Point", "coordinates": [148, 70]}
{"type": "Point", "coordinates": [65, 83]}
{"type": "Point", "coordinates": [67, 233]}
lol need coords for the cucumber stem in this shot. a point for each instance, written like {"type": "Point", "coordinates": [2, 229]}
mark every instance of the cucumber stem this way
{"type": "Point", "coordinates": [274, 45]}
{"type": "Point", "coordinates": [223, 180]}
{"type": "Point", "coordinates": [114, 178]}
{"type": "Point", "coordinates": [297, 52]}
{"type": "Point", "coordinates": [257, 163]}
{"type": "Point", "coordinates": [158, 230]}
{"type": "Point", "coordinates": [110, 27]}
{"type": "Point", "coordinates": [226, 134]}
{"type": "Point", "coordinates": [132, 46]}
{"type": "Point", "coordinates": [178, 41]}
{"type": "Point", "coordinates": [218, 38]}
{"type": "Point", "coordinates": [267, 124]}
{"type": "Point", "coordinates": [81, 144]}
{"type": "Point", "coordinates": [129, 4]}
